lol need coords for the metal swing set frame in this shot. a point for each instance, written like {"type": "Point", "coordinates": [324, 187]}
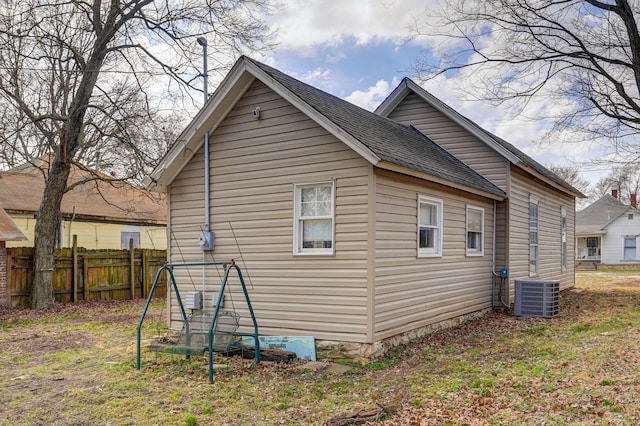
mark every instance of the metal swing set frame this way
{"type": "Point", "coordinates": [187, 350]}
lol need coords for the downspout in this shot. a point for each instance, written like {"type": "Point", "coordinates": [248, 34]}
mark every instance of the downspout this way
{"type": "Point", "coordinates": [493, 257]}
{"type": "Point", "coordinates": [73, 216]}
{"type": "Point", "coordinates": [496, 276]}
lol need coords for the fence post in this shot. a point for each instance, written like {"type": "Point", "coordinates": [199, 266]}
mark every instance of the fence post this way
{"type": "Point", "coordinates": [85, 277]}
{"type": "Point", "coordinates": [144, 271]}
{"type": "Point", "coordinates": [74, 269]}
{"type": "Point", "coordinates": [132, 269]}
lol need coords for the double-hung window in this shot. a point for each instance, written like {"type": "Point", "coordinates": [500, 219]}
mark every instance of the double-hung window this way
{"type": "Point", "coordinates": [534, 255]}
{"type": "Point", "coordinates": [429, 226]}
{"type": "Point", "coordinates": [475, 231]}
{"type": "Point", "coordinates": [314, 218]}
{"type": "Point", "coordinates": [629, 247]}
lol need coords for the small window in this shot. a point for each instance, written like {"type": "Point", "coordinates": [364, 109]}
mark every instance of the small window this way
{"type": "Point", "coordinates": [629, 247]}
{"type": "Point", "coordinates": [533, 237]}
{"type": "Point", "coordinates": [630, 217]}
{"type": "Point", "coordinates": [563, 238]}
{"type": "Point", "coordinates": [429, 226]}
{"type": "Point", "coordinates": [314, 218]}
{"type": "Point", "coordinates": [475, 231]}
{"type": "Point", "coordinates": [126, 236]}
{"type": "Point", "coordinates": [592, 242]}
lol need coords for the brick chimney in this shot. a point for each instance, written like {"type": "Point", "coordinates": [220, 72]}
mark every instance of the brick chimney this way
{"type": "Point", "coordinates": [614, 191]}
{"type": "Point", "coordinates": [634, 201]}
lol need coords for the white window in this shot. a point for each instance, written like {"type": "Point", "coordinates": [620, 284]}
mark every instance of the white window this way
{"type": "Point", "coordinates": [126, 236]}
{"type": "Point", "coordinates": [533, 237]}
{"type": "Point", "coordinates": [563, 238]}
{"type": "Point", "coordinates": [314, 219]}
{"type": "Point", "coordinates": [629, 247]}
{"type": "Point", "coordinates": [475, 231]}
{"type": "Point", "coordinates": [429, 226]}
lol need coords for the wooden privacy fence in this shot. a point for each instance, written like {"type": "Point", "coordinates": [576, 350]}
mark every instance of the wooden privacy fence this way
{"type": "Point", "coordinates": [81, 274]}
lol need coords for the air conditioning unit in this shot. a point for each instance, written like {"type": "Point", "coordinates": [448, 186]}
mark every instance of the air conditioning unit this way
{"type": "Point", "coordinates": [537, 298]}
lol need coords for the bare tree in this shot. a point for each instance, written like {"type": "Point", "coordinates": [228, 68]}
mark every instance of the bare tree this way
{"type": "Point", "coordinates": [571, 175]}
{"type": "Point", "coordinates": [625, 178]}
{"type": "Point", "coordinates": [79, 76]}
{"type": "Point", "coordinates": [583, 56]}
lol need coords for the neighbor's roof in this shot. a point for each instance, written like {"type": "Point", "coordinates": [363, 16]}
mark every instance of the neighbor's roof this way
{"type": "Point", "coordinates": [21, 192]}
{"type": "Point", "coordinates": [595, 217]}
{"type": "Point", "coordinates": [9, 231]}
{"type": "Point", "coordinates": [383, 142]}
{"type": "Point", "coordinates": [504, 148]}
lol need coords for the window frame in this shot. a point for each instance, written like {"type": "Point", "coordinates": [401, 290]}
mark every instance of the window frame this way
{"type": "Point", "coordinates": [626, 238]}
{"type": "Point", "coordinates": [480, 250]}
{"type": "Point", "coordinates": [534, 247]}
{"type": "Point", "coordinates": [137, 239]}
{"type": "Point", "coordinates": [298, 220]}
{"type": "Point", "coordinates": [435, 251]}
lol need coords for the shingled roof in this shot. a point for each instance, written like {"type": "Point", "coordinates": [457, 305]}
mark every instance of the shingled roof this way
{"type": "Point", "coordinates": [595, 217]}
{"type": "Point", "coordinates": [504, 148]}
{"type": "Point", "coordinates": [382, 142]}
{"type": "Point", "coordinates": [21, 193]}
{"type": "Point", "coordinates": [395, 143]}
{"type": "Point", "coordinates": [9, 231]}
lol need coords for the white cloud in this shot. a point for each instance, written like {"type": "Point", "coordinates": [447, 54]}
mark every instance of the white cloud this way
{"type": "Point", "coordinates": [308, 27]}
{"type": "Point", "coordinates": [373, 96]}
{"type": "Point", "coordinates": [304, 24]}
{"type": "Point", "coordinates": [337, 57]}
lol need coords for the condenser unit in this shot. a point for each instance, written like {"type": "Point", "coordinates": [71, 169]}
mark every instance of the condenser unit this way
{"type": "Point", "coordinates": [537, 298]}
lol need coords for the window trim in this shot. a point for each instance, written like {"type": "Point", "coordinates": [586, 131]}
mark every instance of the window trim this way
{"type": "Point", "coordinates": [536, 270]}
{"type": "Point", "coordinates": [426, 251]}
{"type": "Point", "coordinates": [470, 251]}
{"type": "Point", "coordinates": [633, 238]}
{"type": "Point", "coordinates": [298, 250]}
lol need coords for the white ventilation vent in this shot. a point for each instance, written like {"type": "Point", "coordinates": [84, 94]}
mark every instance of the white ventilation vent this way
{"type": "Point", "coordinates": [537, 298]}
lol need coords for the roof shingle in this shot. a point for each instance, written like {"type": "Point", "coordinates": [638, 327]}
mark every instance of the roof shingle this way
{"type": "Point", "coordinates": [21, 192]}
{"type": "Point", "coordinates": [395, 143]}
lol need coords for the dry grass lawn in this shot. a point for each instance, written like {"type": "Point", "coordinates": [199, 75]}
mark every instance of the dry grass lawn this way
{"type": "Point", "coordinates": [75, 366]}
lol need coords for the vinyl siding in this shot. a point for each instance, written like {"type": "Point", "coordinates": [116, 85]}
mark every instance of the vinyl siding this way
{"type": "Point", "coordinates": [612, 241]}
{"type": "Point", "coordinates": [412, 292]}
{"type": "Point", "coordinates": [95, 235]}
{"type": "Point", "coordinates": [450, 136]}
{"type": "Point", "coordinates": [550, 202]}
{"type": "Point", "coordinates": [255, 164]}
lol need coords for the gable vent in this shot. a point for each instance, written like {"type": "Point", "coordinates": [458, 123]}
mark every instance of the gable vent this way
{"type": "Point", "coordinates": [537, 298]}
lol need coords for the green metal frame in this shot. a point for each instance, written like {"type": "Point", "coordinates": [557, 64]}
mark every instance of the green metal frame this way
{"type": "Point", "coordinates": [169, 267]}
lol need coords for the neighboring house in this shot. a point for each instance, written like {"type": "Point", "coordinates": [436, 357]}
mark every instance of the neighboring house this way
{"type": "Point", "coordinates": [354, 228]}
{"type": "Point", "coordinates": [103, 215]}
{"type": "Point", "coordinates": [608, 231]}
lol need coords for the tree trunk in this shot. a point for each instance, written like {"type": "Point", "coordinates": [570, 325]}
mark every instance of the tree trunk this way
{"type": "Point", "coordinates": [47, 231]}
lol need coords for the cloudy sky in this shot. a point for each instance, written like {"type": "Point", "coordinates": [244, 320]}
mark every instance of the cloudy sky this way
{"type": "Point", "coordinates": [359, 50]}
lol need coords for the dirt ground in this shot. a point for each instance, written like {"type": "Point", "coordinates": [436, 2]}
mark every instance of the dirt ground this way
{"type": "Point", "coordinates": [50, 356]}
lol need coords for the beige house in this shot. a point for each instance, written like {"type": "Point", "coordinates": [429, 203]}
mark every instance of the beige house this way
{"type": "Point", "coordinates": [535, 225]}
{"type": "Point", "coordinates": [103, 215]}
{"type": "Point", "coordinates": [353, 227]}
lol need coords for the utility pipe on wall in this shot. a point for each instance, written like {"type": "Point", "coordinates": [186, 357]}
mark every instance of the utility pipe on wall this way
{"type": "Point", "coordinates": [203, 42]}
